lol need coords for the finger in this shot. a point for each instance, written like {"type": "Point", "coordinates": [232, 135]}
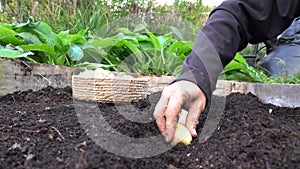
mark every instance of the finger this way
{"type": "Point", "coordinates": [172, 111]}
{"type": "Point", "coordinates": [192, 118]}
{"type": "Point", "coordinates": [159, 112]}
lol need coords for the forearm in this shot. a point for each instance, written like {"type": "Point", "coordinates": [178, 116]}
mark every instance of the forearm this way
{"type": "Point", "coordinates": [229, 29]}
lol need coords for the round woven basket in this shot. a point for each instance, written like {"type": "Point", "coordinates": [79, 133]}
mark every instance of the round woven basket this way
{"type": "Point", "coordinates": [109, 87]}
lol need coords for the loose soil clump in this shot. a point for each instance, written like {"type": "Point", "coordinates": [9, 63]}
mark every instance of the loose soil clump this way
{"type": "Point", "coordinates": [42, 130]}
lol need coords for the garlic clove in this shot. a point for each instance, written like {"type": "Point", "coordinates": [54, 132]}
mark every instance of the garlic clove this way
{"type": "Point", "coordinates": [182, 134]}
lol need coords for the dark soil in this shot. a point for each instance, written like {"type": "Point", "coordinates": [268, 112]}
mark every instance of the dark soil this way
{"type": "Point", "coordinates": [41, 130]}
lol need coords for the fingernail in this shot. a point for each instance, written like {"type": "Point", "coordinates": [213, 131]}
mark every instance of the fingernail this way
{"type": "Point", "coordinates": [168, 139]}
{"type": "Point", "coordinates": [194, 132]}
{"type": "Point", "coordinates": [165, 136]}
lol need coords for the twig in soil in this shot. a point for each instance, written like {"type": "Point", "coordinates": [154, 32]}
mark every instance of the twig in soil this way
{"type": "Point", "coordinates": [82, 163]}
{"type": "Point", "coordinates": [83, 144]}
{"type": "Point", "coordinates": [40, 96]}
{"type": "Point", "coordinates": [61, 136]}
{"type": "Point", "coordinates": [13, 99]}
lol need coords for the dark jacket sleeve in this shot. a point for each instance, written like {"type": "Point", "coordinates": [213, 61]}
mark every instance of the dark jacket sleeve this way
{"type": "Point", "coordinates": [230, 27]}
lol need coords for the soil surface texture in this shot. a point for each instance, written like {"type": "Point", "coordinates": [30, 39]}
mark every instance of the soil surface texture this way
{"type": "Point", "coordinates": [48, 129]}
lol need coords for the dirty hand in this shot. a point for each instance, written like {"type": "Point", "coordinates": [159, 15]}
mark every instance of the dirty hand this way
{"type": "Point", "coordinates": [181, 94]}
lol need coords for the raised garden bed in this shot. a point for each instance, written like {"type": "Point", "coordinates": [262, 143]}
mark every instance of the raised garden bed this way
{"type": "Point", "coordinates": [41, 130]}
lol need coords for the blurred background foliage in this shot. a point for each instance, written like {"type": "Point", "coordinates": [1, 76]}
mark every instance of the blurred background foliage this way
{"type": "Point", "coordinates": [157, 37]}
{"type": "Point", "coordinates": [75, 15]}
{"type": "Point", "coordinates": [165, 28]}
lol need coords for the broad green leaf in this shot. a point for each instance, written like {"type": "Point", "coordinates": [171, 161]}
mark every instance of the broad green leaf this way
{"type": "Point", "coordinates": [155, 41]}
{"type": "Point", "coordinates": [29, 38]}
{"type": "Point", "coordinates": [238, 63]}
{"type": "Point", "coordinates": [41, 29]}
{"type": "Point", "coordinates": [92, 54]}
{"type": "Point", "coordinates": [11, 39]}
{"type": "Point", "coordinates": [141, 38]}
{"type": "Point", "coordinates": [75, 52]}
{"type": "Point", "coordinates": [8, 26]}
{"type": "Point", "coordinates": [180, 48]}
{"type": "Point", "coordinates": [39, 47]}
{"type": "Point", "coordinates": [238, 57]}
{"type": "Point", "coordinates": [111, 41]}
{"type": "Point", "coordinates": [7, 36]}
{"type": "Point", "coordinates": [132, 47]}
{"type": "Point", "coordinates": [67, 39]}
{"type": "Point", "coordinates": [182, 57]}
{"type": "Point", "coordinates": [13, 54]}
{"type": "Point", "coordinates": [145, 45]}
{"type": "Point", "coordinates": [4, 30]}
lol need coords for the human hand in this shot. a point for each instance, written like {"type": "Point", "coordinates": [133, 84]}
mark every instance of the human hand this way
{"type": "Point", "coordinates": [181, 94]}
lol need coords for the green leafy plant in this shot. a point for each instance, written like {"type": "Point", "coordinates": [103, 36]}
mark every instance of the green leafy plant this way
{"type": "Point", "coordinates": [239, 70]}
{"type": "Point", "coordinates": [36, 42]}
{"type": "Point", "coordinates": [143, 52]}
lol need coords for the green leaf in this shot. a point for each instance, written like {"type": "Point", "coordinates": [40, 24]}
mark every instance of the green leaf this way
{"type": "Point", "coordinates": [238, 76]}
{"type": "Point", "coordinates": [133, 48]}
{"type": "Point", "coordinates": [11, 39]}
{"type": "Point", "coordinates": [179, 48]}
{"type": "Point", "coordinates": [75, 52]}
{"type": "Point", "coordinates": [239, 58]}
{"type": "Point", "coordinates": [155, 41]}
{"type": "Point", "coordinates": [39, 47]}
{"type": "Point", "coordinates": [5, 30]}
{"type": "Point", "coordinates": [41, 29]}
{"type": "Point", "coordinates": [145, 45]}
{"type": "Point", "coordinates": [238, 63]}
{"type": "Point", "coordinates": [13, 54]}
{"type": "Point", "coordinates": [67, 39]}
{"type": "Point", "coordinates": [111, 41]}
{"type": "Point", "coordinates": [82, 32]}
{"type": "Point", "coordinates": [7, 36]}
{"type": "Point", "coordinates": [29, 38]}
{"type": "Point", "coordinates": [92, 54]}
{"type": "Point", "coordinates": [61, 60]}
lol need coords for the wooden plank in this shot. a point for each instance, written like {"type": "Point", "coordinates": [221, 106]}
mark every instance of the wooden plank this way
{"type": "Point", "coordinates": [16, 75]}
